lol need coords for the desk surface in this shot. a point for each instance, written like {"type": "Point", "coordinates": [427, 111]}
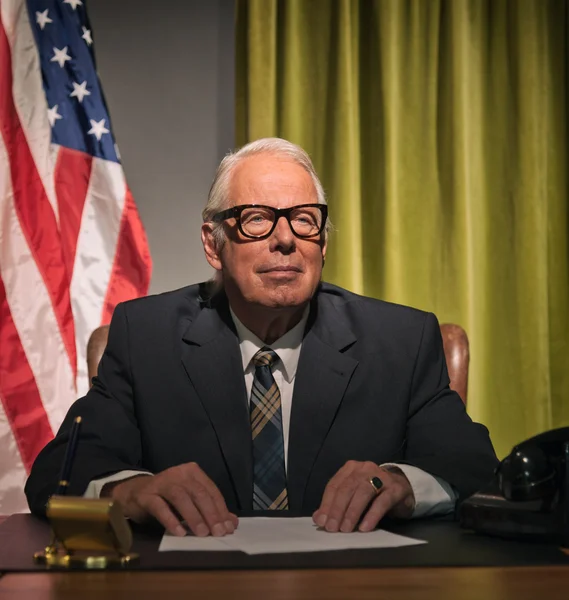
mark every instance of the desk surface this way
{"type": "Point", "coordinates": [448, 546]}
{"type": "Point", "coordinates": [486, 583]}
{"type": "Point", "coordinates": [413, 572]}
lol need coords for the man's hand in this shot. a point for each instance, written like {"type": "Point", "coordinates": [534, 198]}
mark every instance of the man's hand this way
{"type": "Point", "coordinates": [187, 490]}
{"type": "Point", "coordinates": [349, 496]}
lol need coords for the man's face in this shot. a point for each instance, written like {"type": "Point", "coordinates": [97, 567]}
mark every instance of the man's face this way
{"type": "Point", "coordinates": [282, 270]}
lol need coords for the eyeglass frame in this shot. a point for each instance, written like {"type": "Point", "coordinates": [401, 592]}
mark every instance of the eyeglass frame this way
{"type": "Point", "coordinates": [235, 212]}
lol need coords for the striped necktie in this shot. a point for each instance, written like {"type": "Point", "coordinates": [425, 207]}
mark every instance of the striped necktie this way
{"type": "Point", "coordinates": [269, 476]}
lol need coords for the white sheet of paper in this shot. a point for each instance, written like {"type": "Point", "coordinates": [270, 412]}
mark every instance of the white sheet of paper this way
{"type": "Point", "coordinates": [267, 535]}
{"type": "Point", "coordinates": [191, 542]}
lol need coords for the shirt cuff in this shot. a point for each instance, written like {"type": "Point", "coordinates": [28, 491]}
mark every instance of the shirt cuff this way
{"type": "Point", "coordinates": [96, 485]}
{"type": "Point", "coordinates": [433, 495]}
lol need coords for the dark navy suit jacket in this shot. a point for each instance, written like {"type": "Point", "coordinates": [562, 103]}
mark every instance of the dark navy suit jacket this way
{"type": "Point", "coordinates": [371, 384]}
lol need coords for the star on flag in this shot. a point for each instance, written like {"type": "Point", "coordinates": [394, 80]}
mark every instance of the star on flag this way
{"type": "Point", "coordinates": [87, 36]}
{"type": "Point", "coordinates": [60, 56]}
{"type": "Point", "coordinates": [42, 18]}
{"type": "Point", "coordinates": [73, 3]}
{"type": "Point", "coordinates": [53, 115]}
{"type": "Point", "coordinates": [80, 91]}
{"type": "Point", "coordinates": [98, 128]}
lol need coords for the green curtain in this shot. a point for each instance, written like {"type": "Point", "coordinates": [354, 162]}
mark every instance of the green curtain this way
{"type": "Point", "coordinates": [439, 129]}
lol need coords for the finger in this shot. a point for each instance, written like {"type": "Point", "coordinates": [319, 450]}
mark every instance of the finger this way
{"type": "Point", "coordinates": [158, 508]}
{"type": "Point", "coordinates": [181, 501]}
{"type": "Point", "coordinates": [386, 500]}
{"type": "Point", "coordinates": [234, 519]}
{"type": "Point", "coordinates": [320, 516]}
{"type": "Point", "coordinates": [208, 510]}
{"type": "Point", "coordinates": [363, 495]}
{"type": "Point", "coordinates": [342, 499]}
{"type": "Point", "coordinates": [229, 519]}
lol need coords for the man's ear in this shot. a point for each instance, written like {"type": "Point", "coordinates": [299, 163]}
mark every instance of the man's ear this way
{"type": "Point", "coordinates": [210, 247]}
{"type": "Point", "coordinates": [324, 247]}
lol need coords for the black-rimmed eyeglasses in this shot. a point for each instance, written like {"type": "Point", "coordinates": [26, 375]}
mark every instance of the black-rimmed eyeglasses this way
{"type": "Point", "coordinates": [256, 221]}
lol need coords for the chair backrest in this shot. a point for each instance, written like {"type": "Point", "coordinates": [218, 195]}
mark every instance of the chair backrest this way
{"type": "Point", "coordinates": [95, 348]}
{"type": "Point", "coordinates": [455, 342]}
{"type": "Point", "coordinates": [457, 354]}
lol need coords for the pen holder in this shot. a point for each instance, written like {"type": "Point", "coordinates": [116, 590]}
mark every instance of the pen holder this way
{"type": "Point", "coordinates": [87, 534]}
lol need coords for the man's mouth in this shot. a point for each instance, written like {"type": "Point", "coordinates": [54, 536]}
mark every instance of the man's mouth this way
{"type": "Point", "coordinates": [281, 269]}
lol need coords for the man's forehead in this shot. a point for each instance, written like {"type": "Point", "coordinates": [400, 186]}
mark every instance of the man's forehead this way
{"type": "Point", "coordinates": [266, 175]}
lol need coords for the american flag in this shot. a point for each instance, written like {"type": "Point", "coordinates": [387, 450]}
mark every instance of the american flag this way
{"type": "Point", "coordinates": [71, 243]}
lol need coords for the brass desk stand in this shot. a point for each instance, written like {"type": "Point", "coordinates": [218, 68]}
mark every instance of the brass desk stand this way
{"type": "Point", "coordinates": [87, 534]}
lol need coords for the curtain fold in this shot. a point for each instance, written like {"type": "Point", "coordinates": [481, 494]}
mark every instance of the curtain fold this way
{"type": "Point", "coordinates": [439, 130]}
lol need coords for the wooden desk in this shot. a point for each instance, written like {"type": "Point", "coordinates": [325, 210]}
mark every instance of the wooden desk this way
{"type": "Point", "coordinates": [481, 583]}
{"type": "Point", "coordinates": [232, 576]}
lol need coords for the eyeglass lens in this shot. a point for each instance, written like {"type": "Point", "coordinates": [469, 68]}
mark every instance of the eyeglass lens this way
{"type": "Point", "coordinates": [258, 221]}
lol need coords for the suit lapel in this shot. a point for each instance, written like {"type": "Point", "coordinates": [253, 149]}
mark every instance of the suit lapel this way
{"type": "Point", "coordinates": [211, 358]}
{"type": "Point", "coordinates": [321, 380]}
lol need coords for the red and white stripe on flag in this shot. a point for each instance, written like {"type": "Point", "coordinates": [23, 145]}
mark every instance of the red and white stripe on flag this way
{"type": "Point", "coordinates": [71, 246]}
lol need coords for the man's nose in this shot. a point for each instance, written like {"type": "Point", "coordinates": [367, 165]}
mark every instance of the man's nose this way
{"type": "Point", "coordinates": [282, 237]}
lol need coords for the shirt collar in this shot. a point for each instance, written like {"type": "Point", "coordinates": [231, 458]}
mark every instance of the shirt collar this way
{"type": "Point", "coordinates": [287, 346]}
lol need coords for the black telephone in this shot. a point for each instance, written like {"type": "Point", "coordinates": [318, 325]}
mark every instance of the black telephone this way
{"type": "Point", "coordinates": [529, 497]}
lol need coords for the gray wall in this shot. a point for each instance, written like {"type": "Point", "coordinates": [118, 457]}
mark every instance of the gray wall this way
{"type": "Point", "coordinates": [167, 70]}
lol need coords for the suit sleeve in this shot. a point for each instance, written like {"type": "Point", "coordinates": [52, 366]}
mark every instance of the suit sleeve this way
{"type": "Point", "coordinates": [441, 437]}
{"type": "Point", "coordinates": [109, 439]}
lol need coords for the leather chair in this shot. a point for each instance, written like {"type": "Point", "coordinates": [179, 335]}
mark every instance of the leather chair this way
{"type": "Point", "coordinates": [457, 354]}
{"type": "Point", "coordinates": [95, 348]}
{"type": "Point", "coordinates": [455, 342]}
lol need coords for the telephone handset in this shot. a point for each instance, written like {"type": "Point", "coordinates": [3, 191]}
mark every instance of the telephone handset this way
{"type": "Point", "coordinates": [529, 497]}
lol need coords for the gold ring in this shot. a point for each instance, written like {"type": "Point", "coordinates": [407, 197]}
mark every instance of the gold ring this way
{"type": "Point", "coordinates": [376, 484]}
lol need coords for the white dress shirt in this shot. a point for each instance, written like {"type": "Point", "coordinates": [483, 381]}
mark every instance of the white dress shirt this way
{"type": "Point", "coordinates": [433, 496]}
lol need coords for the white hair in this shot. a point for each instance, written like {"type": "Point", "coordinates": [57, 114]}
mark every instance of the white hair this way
{"type": "Point", "coordinates": [218, 198]}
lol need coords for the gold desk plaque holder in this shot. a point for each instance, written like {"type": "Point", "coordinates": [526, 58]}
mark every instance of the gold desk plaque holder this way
{"type": "Point", "coordinates": [87, 533]}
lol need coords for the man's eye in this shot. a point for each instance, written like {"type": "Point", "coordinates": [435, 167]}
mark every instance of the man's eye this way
{"type": "Point", "coordinates": [258, 218]}
{"type": "Point", "coordinates": [304, 219]}
{"type": "Point", "coordinates": [255, 218]}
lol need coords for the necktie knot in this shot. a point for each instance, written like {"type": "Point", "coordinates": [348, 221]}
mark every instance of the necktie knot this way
{"type": "Point", "coordinates": [265, 357]}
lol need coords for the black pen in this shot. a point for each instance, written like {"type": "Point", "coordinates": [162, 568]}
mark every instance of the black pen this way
{"type": "Point", "coordinates": [69, 458]}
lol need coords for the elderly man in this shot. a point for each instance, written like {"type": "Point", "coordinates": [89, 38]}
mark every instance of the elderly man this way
{"type": "Point", "coordinates": [268, 389]}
